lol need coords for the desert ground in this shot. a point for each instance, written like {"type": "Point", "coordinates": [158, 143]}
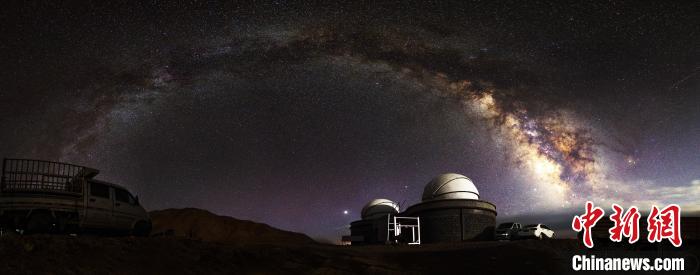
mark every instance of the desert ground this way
{"type": "Point", "coordinates": [192, 241]}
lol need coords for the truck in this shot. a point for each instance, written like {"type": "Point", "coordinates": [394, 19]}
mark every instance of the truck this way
{"type": "Point", "coordinates": [507, 231]}
{"type": "Point", "coordinates": [38, 196]}
{"type": "Point", "coordinates": [536, 231]}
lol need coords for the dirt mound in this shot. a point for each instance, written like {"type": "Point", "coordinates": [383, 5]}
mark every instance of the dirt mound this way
{"type": "Point", "coordinates": [203, 225]}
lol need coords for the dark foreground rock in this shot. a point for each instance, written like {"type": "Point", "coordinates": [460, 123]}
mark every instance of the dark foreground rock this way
{"type": "Point", "coordinates": [41, 254]}
{"type": "Point", "coordinates": [174, 255]}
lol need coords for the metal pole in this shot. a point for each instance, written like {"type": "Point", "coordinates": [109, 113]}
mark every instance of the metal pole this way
{"type": "Point", "coordinates": [396, 229]}
{"type": "Point", "coordinates": [388, 227]}
{"type": "Point", "coordinates": [418, 219]}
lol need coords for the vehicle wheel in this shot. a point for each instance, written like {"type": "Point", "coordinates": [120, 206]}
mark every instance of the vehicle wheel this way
{"type": "Point", "coordinates": [40, 222]}
{"type": "Point", "coordinates": [141, 229]}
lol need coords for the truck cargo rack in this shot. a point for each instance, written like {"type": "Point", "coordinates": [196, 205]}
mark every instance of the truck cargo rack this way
{"type": "Point", "coordinates": [39, 176]}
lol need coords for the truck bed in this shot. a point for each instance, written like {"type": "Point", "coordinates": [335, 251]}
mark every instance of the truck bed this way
{"type": "Point", "coordinates": [26, 176]}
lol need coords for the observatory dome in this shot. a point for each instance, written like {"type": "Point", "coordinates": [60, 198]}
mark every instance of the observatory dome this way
{"type": "Point", "coordinates": [450, 186]}
{"type": "Point", "coordinates": [379, 207]}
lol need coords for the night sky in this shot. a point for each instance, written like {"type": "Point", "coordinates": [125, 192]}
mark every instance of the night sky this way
{"type": "Point", "coordinates": [291, 114]}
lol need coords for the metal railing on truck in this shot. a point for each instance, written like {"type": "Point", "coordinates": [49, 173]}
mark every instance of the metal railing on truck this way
{"type": "Point", "coordinates": [40, 176]}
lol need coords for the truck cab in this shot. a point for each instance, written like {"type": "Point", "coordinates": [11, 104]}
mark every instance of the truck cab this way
{"type": "Point", "coordinates": [39, 196]}
{"type": "Point", "coordinates": [110, 206]}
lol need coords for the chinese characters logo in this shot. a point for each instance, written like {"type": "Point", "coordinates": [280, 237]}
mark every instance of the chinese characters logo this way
{"type": "Point", "coordinates": [661, 224]}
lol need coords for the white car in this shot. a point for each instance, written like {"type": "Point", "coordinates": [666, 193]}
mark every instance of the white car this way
{"type": "Point", "coordinates": [538, 231]}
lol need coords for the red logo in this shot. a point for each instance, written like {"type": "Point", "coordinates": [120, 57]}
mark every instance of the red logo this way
{"type": "Point", "coordinates": [665, 224]}
{"type": "Point", "coordinates": [662, 224]}
{"type": "Point", "coordinates": [586, 221]}
{"type": "Point", "coordinates": [627, 224]}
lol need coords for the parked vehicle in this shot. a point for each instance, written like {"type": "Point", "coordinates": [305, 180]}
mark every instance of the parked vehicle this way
{"type": "Point", "coordinates": [537, 231]}
{"type": "Point", "coordinates": [42, 197]}
{"type": "Point", "coordinates": [507, 231]}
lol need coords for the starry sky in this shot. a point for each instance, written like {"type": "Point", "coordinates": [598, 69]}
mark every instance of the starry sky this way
{"type": "Point", "coordinates": [297, 115]}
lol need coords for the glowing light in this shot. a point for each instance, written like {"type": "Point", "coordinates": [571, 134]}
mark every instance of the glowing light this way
{"type": "Point", "coordinates": [544, 167]}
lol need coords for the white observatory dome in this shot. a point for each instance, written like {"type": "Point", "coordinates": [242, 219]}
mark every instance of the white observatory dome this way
{"type": "Point", "coordinates": [450, 186]}
{"type": "Point", "coordinates": [379, 207]}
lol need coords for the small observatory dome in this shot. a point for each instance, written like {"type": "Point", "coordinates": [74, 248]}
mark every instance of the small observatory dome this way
{"type": "Point", "coordinates": [450, 186]}
{"type": "Point", "coordinates": [379, 207]}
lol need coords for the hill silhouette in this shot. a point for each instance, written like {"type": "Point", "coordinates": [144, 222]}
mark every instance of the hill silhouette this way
{"type": "Point", "coordinates": [203, 225]}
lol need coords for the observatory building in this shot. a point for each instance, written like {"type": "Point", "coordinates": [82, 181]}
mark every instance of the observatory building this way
{"type": "Point", "coordinates": [450, 211]}
{"type": "Point", "coordinates": [373, 227]}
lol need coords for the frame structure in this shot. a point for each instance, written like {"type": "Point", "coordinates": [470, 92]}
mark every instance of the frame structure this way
{"type": "Point", "coordinates": [397, 224]}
